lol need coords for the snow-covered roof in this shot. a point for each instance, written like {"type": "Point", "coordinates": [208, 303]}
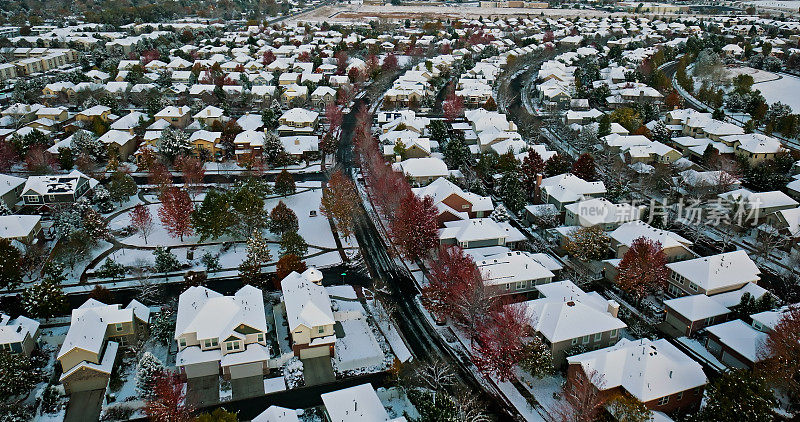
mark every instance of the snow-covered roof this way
{"type": "Point", "coordinates": [277, 414]}
{"type": "Point", "coordinates": [16, 226]}
{"type": "Point", "coordinates": [696, 307]}
{"type": "Point", "coordinates": [307, 303]}
{"type": "Point", "coordinates": [476, 229]}
{"type": "Point", "coordinates": [511, 268]}
{"type": "Point", "coordinates": [718, 271]}
{"type": "Point", "coordinates": [601, 211]}
{"type": "Point", "coordinates": [570, 188]}
{"type": "Point", "coordinates": [441, 189]}
{"type": "Point", "coordinates": [89, 321]}
{"type": "Point", "coordinates": [630, 231]}
{"type": "Point", "coordinates": [647, 369]}
{"type": "Point", "coordinates": [358, 403]}
{"type": "Point", "coordinates": [211, 315]}
{"type": "Point", "coordinates": [567, 312]}
{"type": "Point", "coordinates": [741, 337]}
{"type": "Point", "coordinates": [15, 331]}
{"type": "Point", "coordinates": [55, 184]}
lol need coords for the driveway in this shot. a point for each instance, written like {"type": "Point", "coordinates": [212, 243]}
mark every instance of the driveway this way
{"type": "Point", "coordinates": [84, 406]}
{"type": "Point", "coordinates": [202, 391]}
{"type": "Point", "coordinates": [247, 387]}
{"type": "Point", "coordinates": [318, 371]}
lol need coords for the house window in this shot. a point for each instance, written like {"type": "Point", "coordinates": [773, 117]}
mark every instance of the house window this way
{"type": "Point", "coordinates": [693, 287]}
{"type": "Point", "coordinates": [260, 337]}
{"type": "Point", "coordinates": [709, 321]}
{"type": "Point", "coordinates": [118, 327]}
{"type": "Point", "coordinates": [521, 285]}
{"type": "Point", "coordinates": [679, 396]}
{"type": "Point", "coordinates": [207, 343]}
{"type": "Point", "coordinates": [663, 400]}
{"type": "Point", "coordinates": [574, 341]}
{"type": "Point", "coordinates": [182, 342]}
{"type": "Point", "coordinates": [321, 330]}
{"type": "Point", "coordinates": [598, 337]}
{"type": "Point", "coordinates": [613, 333]}
{"type": "Point", "coordinates": [585, 340]}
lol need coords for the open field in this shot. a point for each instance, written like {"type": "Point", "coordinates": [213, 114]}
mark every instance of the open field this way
{"type": "Point", "coordinates": [350, 13]}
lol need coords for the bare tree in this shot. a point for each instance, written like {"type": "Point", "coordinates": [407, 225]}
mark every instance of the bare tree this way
{"type": "Point", "coordinates": [469, 408]}
{"type": "Point", "coordinates": [435, 374]}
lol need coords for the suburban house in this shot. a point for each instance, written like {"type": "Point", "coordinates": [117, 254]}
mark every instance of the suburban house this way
{"type": "Point", "coordinates": [567, 188]}
{"type": "Point", "coordinates": [56, 189]}
{"type": "Point", "coordinates": [298, 121]}
{"type": "Point", "coordinates": [704, 183]}
{"type": "Point", "coordinates": [358, 403]}
{"type": "Point", "coordinates": [751, 207]}
{"type": "Point", "coordinates": [309, 313]}
{"type": "Point", "coordinates": [95, 334]}
{"type": "Point", "coordinates": [177, 117]}
{"type": "Point", "coordinates": [454, 203]}
{"type": "Point", "coordinates": [478, 233]}
{"type": "Point", "coordinates": [566, 316]}
{"type": "Point", "coordinates": [96, 112]}
{"type": "Point", "coordinates": [11, 189]}
{"type": "Point", "coordinates": [712, 274]}
{"type": "Point", "coordinates": [210, 115]}
{"type": "Point", "coordinates": [653, 371]}
{"type": "Point", "coordinates": [22, 228]}
{"type": "Point", "coordinates": [512, 273]}
{"type": "Point", "coordinates": [422, 171]}
{"type": "Point", "coordinates": [219, 334]}
{"type": "Point", "coordinates": [690, 314]}
{"type": "Point", "coordinates": [674, 246]}
{"type": "Point", "coordinates": [206, 140]}
{"type": "Point", "coordinates": [18, 335]}
{"type": "Point", "coordinates": [601, 212]}
{"type": "Point", "coordinates": [736, 343]}
{"type": "Point", "coordinates": [123, 141]}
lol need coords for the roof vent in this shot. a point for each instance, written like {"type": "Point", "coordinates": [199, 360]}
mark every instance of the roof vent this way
{"type": "Point", "coordinates": [570, 303]}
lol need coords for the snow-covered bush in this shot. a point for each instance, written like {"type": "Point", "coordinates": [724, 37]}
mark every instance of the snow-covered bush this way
{"type": "Point", "coordinates": [148, 371]}
{"type": "Point", "coordinates": [293, 373]}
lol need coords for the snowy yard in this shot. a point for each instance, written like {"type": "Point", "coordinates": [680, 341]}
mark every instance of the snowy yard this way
{"type": "Point", "coordinates": [784, 90]}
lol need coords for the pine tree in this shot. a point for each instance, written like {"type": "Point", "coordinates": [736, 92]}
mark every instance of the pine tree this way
{"type": "Point", "coordinates": [4, 210]}
{"type": "Point", "coordinates": [282, 219]}
{"type": "Point", "coordinates": [293, 244]}
{"type": "Point", "coordinates": [150, 369]}
{"type": "Point", "coordinates": [212, 218]}
{"type": "Point", "coordinates": [45, 299]}
{"type": "Point", "coordinates": [536, 358]}
{"type": "Point", "coordinates": [258, 254]}
{"type": "Point", "coordinates": [173, 143]}
{"type": "Point", "coordinates": [122, 187]}
{"type": "Point", "coordinates": [284, 183]}
{"type": "Point", "coordinates": [738, 395]}
{"type": "Point", "coordinates": [513, 191]}
{"type": "Point", "coordinates": [10, 265]}
{"type": "Point", "coordinates": [18, 375]}
{"type": "Point", "coordinates": [165, 260]}
{"type": "Point", "coordinates": [111, 269]}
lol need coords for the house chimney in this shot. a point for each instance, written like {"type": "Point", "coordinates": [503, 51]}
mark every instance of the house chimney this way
{"type": "Point", "coordinates": [613, 308]}
{"type": "Point", "coordinates": [537, 190]}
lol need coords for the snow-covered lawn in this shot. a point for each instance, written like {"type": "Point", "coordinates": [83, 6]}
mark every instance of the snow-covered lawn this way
{"type": "Point", "coordinates": [784, 90]}
{"type": "Point", "coordinates": [757, 74]}
{"type": "Point", "coordinates": [396, 403]}
{"type": "Point", "coordinates": [315, 230]}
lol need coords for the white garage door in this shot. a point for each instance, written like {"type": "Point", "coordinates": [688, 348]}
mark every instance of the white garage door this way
{"type": "Point", "coordinates": [314, 352]}
{"type": "Point", "coordinates": [247, 370]}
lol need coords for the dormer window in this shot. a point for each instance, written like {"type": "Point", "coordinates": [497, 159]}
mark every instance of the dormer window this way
{"type": "Point", "coordinates": [118, 327]}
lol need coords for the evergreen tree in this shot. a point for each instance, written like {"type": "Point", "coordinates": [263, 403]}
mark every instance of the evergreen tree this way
{"type": "Point", "coordinates": [282, 219]}
{"type": "Point", "coordinates": [212, 218]}
{"type": "Point", "coordinates": [122, 187]}
{"type": "Point", "coordinates": [18, 375]}
{"type": "Point", "coordinates": [10, 265]}
{"type": "Point", "coordinates": [293, 243]}
{"type": "Point", "coordinates": [500, 214]}
{"type": "Point", "coordinates": [513, 191]}
{"type": "Point", "coordinates": [165, 260]}
{"type": "Point", "coordinates": [111, 269]}
{"type": "Point", "coordinates": [258, 255]}
{"type": "Point", "coordinates": [174, 142]}
{"type": "Point", "coordinates": [284, 184]}
{"type": "Point", "coordinates": [738, 395]}
{"type": "Point", "coordinates": [148, 371]}
{"type": "Point", "coordinates": [45, 299]}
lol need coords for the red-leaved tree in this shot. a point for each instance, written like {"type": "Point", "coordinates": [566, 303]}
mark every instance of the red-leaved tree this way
{"type": "Point", "coordinates": [532, 166]}
{"type": "Point", "coordinates": [415, 227]}
{"type": "Point", "coordinates": [193, 171]}
{"type": "Point", "coordinates": [643, 270]}
{"type": "Point", "coordinates": [334, 115]}
{"type": "Point", "coordinates": [168, 402]}
{"type": "Point", "coordinates": [500, 344]}
{"type": "Point", "coordinates": [584, 168]}
{"type": "Point", "coordinates": [453, 106]}
{"type": "Point", "coordinates": [142, 220]}
{"type": "Point", "coordinates": [176, 209]}
{"type": "Point", "coordinates": [781, 353]}
{"type": "Point", "coordinates": [581, 398]}
{"type": "Point", "coordinates": [389, 63]}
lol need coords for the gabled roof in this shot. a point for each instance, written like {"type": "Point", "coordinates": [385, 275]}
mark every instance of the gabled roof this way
{"type": "Point", "coordinates": [88, 325]}
{"type": "Point", "coordinates": [741, 337]}
{"type": "Point", "coordinates": [277, 414]}
{"type": "Point", "coordinates": [630, 231]}
{"type": "Point", "coordinates": [716, 271]}
{"type": "Point", "coordinates": [307, 303]}
{"type": "Point", "coordinates": [359, 403]}
{"type": "Point", "coordinates": [211, 315]}
{"type": "Point", "coordinates": [647, 369]}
